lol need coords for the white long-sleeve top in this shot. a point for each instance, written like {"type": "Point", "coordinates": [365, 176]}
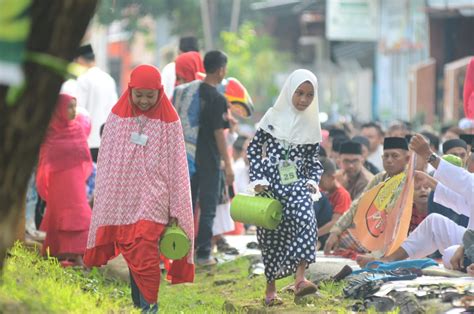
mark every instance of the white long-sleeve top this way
{"type": "Point", "coordinates": [96, 92]}
{"type": "Point", "coordinates": [455, 190]}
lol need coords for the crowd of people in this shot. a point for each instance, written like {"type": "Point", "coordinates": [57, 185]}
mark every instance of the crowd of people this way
{"type": "Point", "coordinates": [172, 151]}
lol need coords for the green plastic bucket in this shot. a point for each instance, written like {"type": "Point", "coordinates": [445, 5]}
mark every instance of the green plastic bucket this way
{"type": "Point", "coordinates": [174, 243]}
{"type": "Point", "coordinates": [455, 160]}
{"type": "Point", "coordinates": [256, 210]}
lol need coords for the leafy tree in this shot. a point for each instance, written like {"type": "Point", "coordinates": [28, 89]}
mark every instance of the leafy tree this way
{"type": "Point", "coordinates": [57, 27]}
{"type": "Point", "coordinates": [255, 61]}
{"type": "Point", "coordinates": [184, 15]}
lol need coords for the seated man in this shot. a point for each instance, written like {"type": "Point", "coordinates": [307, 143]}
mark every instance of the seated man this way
{"type": "Point", "coordinates": [420, 204]}
{"type": "Point", "coordinates": [395, 159]}
{"type": "Point", "coordinates": [353, 175]}
{"type": "Point", "coordinates": [437, 232]}
{"type": "Point", "coordinates": [338, 196]}
{"type": "Point", "coordinates": [436, 208]}
{"type": "Point", "coordinates": [469, 139]}
{"type": "Point", "coordinates": [323, 212]}
{"type": "Point", "coordinates": [456, 147]}
{"type": "Point", "coordinates": [364, 141]}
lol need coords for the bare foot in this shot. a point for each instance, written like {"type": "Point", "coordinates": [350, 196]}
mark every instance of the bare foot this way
{"type": "Point", "coordinates": [363, 260]}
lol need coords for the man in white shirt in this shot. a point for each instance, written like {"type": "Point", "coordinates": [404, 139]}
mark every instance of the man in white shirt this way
{"type": "Point", "coordinates": [97, 93]}
{"type": "Point", "coordinates": [374, 133]}
{"type": "Point", "coordinates": [454, 188]}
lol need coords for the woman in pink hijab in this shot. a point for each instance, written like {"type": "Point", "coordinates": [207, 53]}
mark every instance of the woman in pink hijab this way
{"type": "Point", "coordinates": [64, 166]}
{"type": "Point", "coordinates": [142, 186]}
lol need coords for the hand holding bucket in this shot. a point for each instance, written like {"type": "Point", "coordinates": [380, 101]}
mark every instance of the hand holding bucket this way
{"type": "Point", "coordinates": [174, 243]}
{"type": "Point", "coordinates": [261, 211]}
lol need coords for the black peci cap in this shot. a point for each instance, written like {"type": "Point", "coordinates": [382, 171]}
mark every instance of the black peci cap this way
{"type": "Point", "coordinates": [395, 143]}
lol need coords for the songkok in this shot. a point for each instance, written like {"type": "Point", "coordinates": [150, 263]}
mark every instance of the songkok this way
{"type": "Point", "coordinates": [188, 43]}
{"type": "Point", "coordinates": [351, 147]}
{"type": "Point", "coordinates": [337, 132]}
{"type": "Point", "coordinates": [362, 140]}
{"type": "Point", "coordinates": [395, 143]}
{"type": "Point", "coordinates": [85, 51]}
{"type": "Point", "coordinates": [449, 144]}
{"type": "Point", "coordinates": [468, 138]}
{"type": "Point", "coordinates": [337, 142]}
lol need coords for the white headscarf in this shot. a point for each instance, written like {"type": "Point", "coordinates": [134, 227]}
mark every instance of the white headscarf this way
{"type": "Point", "coordinates": [284, 122]}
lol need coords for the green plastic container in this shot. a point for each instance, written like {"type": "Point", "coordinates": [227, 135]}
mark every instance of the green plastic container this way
{"type": "Point", "coordinates": [256, 210]}
{"type": "Point", "coordinates": [174, 243]}
{"type": "Point", "coordinates": [455, 160]}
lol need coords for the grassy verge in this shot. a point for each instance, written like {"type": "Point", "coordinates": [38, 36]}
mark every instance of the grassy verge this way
{"type": "Point", "coordinates": [32, 284]}
{"type": "Point", "coordinates": [228, 289]}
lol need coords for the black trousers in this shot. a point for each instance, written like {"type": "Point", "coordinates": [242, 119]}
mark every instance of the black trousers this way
{"type": "Point", "coordinates": [205, 187]}
{"type": "Point", "coordinates": [94, 154]}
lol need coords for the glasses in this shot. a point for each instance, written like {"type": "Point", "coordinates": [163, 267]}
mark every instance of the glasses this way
{"type": "Point", "coordinates": [351, 161]}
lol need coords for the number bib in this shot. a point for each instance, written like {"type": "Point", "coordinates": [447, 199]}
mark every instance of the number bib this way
{"type": "Point", "coordinates": [288, 173]}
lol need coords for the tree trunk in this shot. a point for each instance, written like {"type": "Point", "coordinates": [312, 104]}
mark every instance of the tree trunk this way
{"type": "Point", "coordinates": [57, 29]}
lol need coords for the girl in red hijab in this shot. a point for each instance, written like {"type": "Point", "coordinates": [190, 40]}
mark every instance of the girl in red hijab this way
{"type": "Point", "coordinates": [189, 67]}
{"type": "Point", "coordinates": [142, 185]}
{"type": "Point", "coordinates": [63, 168]}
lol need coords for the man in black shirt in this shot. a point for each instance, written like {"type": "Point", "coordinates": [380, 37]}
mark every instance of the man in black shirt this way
{"type": "Point", "coordinates": [211, 148]}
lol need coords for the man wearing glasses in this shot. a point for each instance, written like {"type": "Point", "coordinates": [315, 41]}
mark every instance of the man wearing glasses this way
{"type": "Point", "coordinates": [353, 175]}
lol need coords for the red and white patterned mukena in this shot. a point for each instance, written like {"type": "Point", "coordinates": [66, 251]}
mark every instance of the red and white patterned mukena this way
{"type": "Point", "coordinates": [142, 182]}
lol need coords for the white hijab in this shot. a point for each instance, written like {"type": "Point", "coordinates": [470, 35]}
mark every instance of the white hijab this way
{"type": "Point", "coordinates": [284, 122]}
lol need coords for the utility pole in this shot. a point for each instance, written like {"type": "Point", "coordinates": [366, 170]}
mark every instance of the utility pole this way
{"type": "Point", "coordinates": [206, 23]}
{"type": "Point", "coordinates": [235, 16]}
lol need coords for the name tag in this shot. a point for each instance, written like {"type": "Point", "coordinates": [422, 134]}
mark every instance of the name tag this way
{"type": "Point", "coordinates": [288, 173]}
{"type": "Point", "coordinates": [139, 139]}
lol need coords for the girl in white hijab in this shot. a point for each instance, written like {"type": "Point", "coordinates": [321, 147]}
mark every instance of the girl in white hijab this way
{"type": "Point", "coordinates": [284, 161]}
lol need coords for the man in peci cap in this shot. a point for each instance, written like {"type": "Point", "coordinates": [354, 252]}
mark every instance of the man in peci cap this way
{"type": "Point", "coordinates": [456, 147]}
{"type": "Point", "coordinates": [96, 92]}
{"type": "Point", "coordinates": [395, 159]}
{"type": "Point", "coordinates": [469, 139]}
{"type": "Point", "coordinates": [353, 175]}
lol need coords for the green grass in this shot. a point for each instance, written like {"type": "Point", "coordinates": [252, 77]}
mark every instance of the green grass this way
{"type": "Point", "coordinates": [241, 294]}
{"type": "Point", "coordinates": [32, 284]}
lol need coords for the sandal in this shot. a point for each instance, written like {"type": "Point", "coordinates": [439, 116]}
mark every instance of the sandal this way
{"type": "Point", "coordinates": [290, 288]}
{"type": "Point", "coordinates": [67, 263]}
{"type": "Point", "coordinates": [205, 262]}
{"type": "Point", "coordinates": [231, 251]}
{"type": "Point", "coordinates": [273, 301]}
{"type": "Point", "coordinates": [305, 287]}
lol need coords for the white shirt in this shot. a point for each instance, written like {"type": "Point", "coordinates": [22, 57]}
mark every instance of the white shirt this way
{"type": "Point", "coordinates": [97, 93]}
{"type": "Point", "coordinates": [69, 87]}
{"type": "Point", "coordinates": [241, 171]}
{"type": "Point", "coordinates": [455, 190]}
{"type": "Point", "coordinates": [168, 79]}
{"type": "Point", "coordinates": [376, 158]}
